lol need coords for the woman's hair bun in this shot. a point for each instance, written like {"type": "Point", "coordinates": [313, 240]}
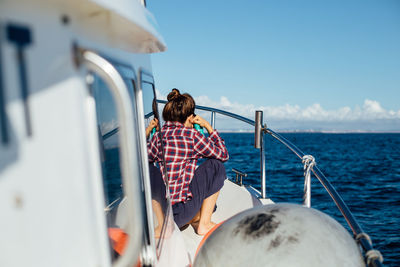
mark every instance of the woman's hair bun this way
{"type": "Point", "coordinates": [179, 106]}
{"type": "Point", "coordinates": [173, 95]}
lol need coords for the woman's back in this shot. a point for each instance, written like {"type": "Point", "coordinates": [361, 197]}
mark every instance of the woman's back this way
{"type": "Point", "coordinates": [183, 146]}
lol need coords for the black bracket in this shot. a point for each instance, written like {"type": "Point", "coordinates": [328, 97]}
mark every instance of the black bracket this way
{"type": "Point", "coordinates": [3, 117]}
{"type": "Point", "coordinates": [21, 37]}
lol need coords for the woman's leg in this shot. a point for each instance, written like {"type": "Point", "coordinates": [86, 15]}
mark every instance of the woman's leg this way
{"type": "Point", "coordinates": [207, 181]}
{"type": "Point", "coordinates": [158, 197]}
{"type": "Point", "coordinates": [159, 216]}
{"type": "Point", "coordinates": [211, 176]}
{"type": "Point", "coordinates": [205, 224]}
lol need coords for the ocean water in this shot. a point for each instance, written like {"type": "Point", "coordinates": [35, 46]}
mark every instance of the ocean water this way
{"type": "Point", "coordinates": [363, 167]}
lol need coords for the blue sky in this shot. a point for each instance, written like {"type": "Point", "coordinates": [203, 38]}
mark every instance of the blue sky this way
{"type": "Point", "coordinates": [310, 65]}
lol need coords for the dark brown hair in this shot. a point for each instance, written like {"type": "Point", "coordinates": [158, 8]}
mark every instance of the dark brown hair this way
{"type": "Point", "coordinates": [179, 106]}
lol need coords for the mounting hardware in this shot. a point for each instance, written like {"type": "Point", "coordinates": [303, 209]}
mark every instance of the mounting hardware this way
{"type": "Point", "coordinates": [21, 37]}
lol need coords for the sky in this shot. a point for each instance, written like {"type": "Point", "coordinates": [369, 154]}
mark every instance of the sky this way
{"type": "Point", "coordinates": [309, 65]}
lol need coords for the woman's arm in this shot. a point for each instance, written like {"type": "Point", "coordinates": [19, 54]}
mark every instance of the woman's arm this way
{"type": "Point", "coordinates": [203, 123]}
{"type": "Point", "coordinates": [152, 144]}
{"type": "Point", "coordinates": [152, 148]}
{"type": "Point", "coordinates": [153, 123]}
{"type": "Point", "coordinates": [211, 147]}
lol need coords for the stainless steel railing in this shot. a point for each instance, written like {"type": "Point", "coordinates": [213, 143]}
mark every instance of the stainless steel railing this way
{"type": "Point", "coordinates": [358, 233]}
{"type": "Point", "coordinates": [220, 111]}
{"type": "Point", "coordinates": [373, 257]}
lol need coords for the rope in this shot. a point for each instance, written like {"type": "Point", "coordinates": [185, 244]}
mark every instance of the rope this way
{"type": "Point", "coordinates": [364, 236]}
{"type": "Point", "coordinates": [309, 163]}
{"type": "Point", "coordinates": [373, 255]}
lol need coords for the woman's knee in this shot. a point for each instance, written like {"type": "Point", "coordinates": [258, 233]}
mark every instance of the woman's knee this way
{"type": "Point", "coordinates": [219, 165]}
{"type": "Point", "coordinates": [215, 162]}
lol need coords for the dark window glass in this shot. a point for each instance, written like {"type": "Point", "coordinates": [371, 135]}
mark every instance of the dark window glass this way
{"type": "Point", "coordinates": [108, 125]}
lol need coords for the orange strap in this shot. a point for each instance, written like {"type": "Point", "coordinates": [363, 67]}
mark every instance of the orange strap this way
{"type": "Point", "coordinates": [119, 239]}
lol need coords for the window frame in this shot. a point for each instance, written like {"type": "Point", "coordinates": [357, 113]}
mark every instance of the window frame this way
{"type": "Point", "coordinates": [146, 77]}
{"type": "Point", "coordinates": [128, 75]}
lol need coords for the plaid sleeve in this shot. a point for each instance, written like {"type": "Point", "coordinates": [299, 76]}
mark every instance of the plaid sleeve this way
{"type": "Point", "coordinates": [152, 147]}
{"type": "Point", "coordinates": [210, 147]}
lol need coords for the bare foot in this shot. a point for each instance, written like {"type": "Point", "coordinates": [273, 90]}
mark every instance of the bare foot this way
{"type": "Point", "coordinates": [203, 229]}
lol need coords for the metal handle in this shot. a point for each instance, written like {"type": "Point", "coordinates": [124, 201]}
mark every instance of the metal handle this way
{"type": "Point", "coordinates": [239, 174]}
{"type": "Point", "coordinates": [129, 159]}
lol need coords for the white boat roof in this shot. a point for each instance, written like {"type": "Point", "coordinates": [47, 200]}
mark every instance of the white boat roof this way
{"type": "Point", "coordinates": [130, 21]}
{"type": "Point", "coordinates": [122, 24]}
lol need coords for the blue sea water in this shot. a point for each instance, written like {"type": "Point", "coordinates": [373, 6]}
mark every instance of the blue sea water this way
{"type": "Point", "coordinates": [363, 167]}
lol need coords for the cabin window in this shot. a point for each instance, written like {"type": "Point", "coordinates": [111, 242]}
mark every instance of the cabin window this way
{"type": "Point", "coordinates": [108, 130]}
{"type": "Point", "coordinates": [108, 125]}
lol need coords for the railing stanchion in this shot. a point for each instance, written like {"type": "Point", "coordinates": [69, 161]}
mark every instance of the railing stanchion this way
{"type": "Point", "coordinates": [262, 166]}
{"type": "Point", "coordinates": [213, 119]}
{"type": "Point", "coordinates": [309, 163]}
{"type": "Point", "coordinates": [259, 143]}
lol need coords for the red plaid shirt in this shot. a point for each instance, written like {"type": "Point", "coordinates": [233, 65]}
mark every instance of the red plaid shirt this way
{"type": "Point", "coordinates": [183, 147]}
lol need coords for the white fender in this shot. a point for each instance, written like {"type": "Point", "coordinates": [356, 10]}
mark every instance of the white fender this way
{"type": "Point", "coordinates": [280, 235]}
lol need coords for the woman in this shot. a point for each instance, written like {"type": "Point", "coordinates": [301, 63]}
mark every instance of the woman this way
{"type": "Point", "coordinates": [193, 192]}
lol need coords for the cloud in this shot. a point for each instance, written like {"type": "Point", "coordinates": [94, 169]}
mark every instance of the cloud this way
{"type": "Point", "coordinates": [371, 116]}
{"type": "Point", "coordinates": [106, 127]}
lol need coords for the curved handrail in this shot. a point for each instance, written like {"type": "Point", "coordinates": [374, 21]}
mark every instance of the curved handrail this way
{"type": "Point", "coordinates": [107, 71]}
{"type": "Point", "coordinates": [341, 205]}
{"type": "Point", "coordinates": [110, 133]}
{"type": "Point", "coordinates": [223, 112]}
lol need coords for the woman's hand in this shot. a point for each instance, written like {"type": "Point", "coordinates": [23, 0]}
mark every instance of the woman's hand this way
{"type": "Point", "coordinates": [203, 123]}
{"type": "Point", "coordinates": [153, 124]}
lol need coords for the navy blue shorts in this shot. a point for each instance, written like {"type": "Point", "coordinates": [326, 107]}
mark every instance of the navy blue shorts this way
{"type": "Point", "coordinates": [208, 179]}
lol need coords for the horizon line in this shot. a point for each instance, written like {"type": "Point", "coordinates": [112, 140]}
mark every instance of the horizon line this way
{"type": "Point", "coordinates": [316, 131]}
